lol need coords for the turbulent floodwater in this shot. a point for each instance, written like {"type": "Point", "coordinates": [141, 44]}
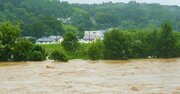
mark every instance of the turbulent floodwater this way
{"type": "Point", "coordinates": [144, 76]}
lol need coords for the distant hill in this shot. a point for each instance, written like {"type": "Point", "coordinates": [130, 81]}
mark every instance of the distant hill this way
{"type": "Point", "coordinates": [131, 15]}
{"type": "Point", "coordinates": [39, 17]}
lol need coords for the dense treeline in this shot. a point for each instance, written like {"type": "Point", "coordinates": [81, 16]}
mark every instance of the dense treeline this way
{"type": "Point", "coordinates": [117, 44]}
{"type": "Point", "coordinates": [125, 44]}
{"type": "Point", "coordinates": [51, 17]}
{"type": "Point", "coordinates": [162, 43]}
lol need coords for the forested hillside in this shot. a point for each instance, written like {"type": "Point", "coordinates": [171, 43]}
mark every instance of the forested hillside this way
{"type": "Point", "coordinates": [131, 15]}
{"type": "Point", "coordinates": [49, 17]}
{"type": "Point", "coordinates": [37, 17]}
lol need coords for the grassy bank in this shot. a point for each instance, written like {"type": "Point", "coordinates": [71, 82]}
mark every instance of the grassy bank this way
{"type": "Point", "coordinates": [80, 54]}
{"type": "Point", "coordinates": [49, 48]}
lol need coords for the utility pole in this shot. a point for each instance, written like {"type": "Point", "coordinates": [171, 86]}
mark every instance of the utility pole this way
{"type": "Point", "coordinates": [89, 36]}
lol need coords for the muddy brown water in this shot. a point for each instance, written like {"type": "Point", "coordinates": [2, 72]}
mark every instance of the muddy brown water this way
{"type": "Point", "coordinates": [140, 76]}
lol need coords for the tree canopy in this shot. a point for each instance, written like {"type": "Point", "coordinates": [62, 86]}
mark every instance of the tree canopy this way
{"type": "Point", "coordinates": [45, 17]}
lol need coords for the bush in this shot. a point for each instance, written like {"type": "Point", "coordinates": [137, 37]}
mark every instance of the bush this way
{"type": "Point", "coordinates": [22, 50]}
{"type": "Point", "coordinates": [36, 56]}
{"type": "Point", "coordinates": [41, 50]}
{"type": "Point", "coordinates": [59, 56]}
{"type": "Point", "coordinates": [95, 50]}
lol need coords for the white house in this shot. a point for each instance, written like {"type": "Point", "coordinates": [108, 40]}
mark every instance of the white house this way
{"type": "Point", "coordinates": [90, 36]}
{"type": "Point", "coordinates": [50, 40]}
{"type": "Point", "coordinates": [58, 39]}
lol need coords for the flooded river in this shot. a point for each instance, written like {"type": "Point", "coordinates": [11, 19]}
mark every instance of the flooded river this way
{"type": "Point", "coordinates": [141, 76]}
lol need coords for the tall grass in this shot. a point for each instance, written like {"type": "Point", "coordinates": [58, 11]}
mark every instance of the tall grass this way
{"type": "Point", "coordinates": [80, 54]}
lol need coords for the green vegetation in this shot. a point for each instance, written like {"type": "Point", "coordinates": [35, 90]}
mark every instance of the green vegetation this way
{"type": "Point", "coordinates": [22, 49]}
{"type": "Point", "coordinates": [135, 44]}
{"type": "Point", "coordinates": [95, 50]}
{"type": "Point", "coordinates": [135, 36]}
{"type": "Point", "coordinates": [167, 41]}
{"type": "Point", "coordinates": [116, 44]}
{"type": "Point", "coordinates": [125, 44]}
{"type": "Point", "coordinates": [38, 50]}
{"type": "Point", "coordinates": [70, 42]}
{"type": "Point", "coordinates": [39, 18]}
{"type": "Point", "coordinates": [9, 34]}
{"type": "Point", "coordinates": [35, 56]}
{"type": "Point", "coordinates": [59, 56]}
{"type": "Point", "coordinates": [81, 53]}
{"type": "Point", "coordinates": [13, 48]}
{"type": "Point", "coordinates": [49, 48]}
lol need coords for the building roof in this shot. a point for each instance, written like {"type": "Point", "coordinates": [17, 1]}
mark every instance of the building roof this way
{"type": "Point", "coordinates": [45, 39]}
{"type": "Point", "coordinates": [49, 39]}
{"type": "Point", "coordinates": [97, 31]}
{"type": "Point", "coordinates": [55, 37]}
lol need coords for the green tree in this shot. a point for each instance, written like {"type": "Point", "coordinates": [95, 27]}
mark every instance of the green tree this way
{"type": "Point", "coordinates": [1, 50]}
{"type": "Point", "coordinates": [44, 26]}
{"type": "Point", "coordinates": [152, 42]}
{"type": "Point", "coordinates": [9, 34]}
{"type": "Point", "coordinates": [95, 50]}
{"type": "Point", "coordinates": [116, 45]}
{"type": "Point", "coordinates": [21, 50]}
{"type": "Point", "coordinates": [81, 19]}
{"type": "Point", "coordinates": [37, 29]}
{"type": "Point", "coordinates": [167, 41]}
{"type": "Point", "coordinates": [69, 28]}
{"type": "Point", "coordinates": [70, 42]}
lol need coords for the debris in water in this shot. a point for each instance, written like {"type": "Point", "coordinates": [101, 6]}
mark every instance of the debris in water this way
{"type": "Point", "coordinates": [178, 88]}
{"type": "Point", "coordinates": [49, 67]}
{"type": "Point", "coordinates": [134, 89]}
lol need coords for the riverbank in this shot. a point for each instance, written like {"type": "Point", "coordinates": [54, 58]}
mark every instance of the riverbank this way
{"type": "Point", "coordinates": [139, 76]}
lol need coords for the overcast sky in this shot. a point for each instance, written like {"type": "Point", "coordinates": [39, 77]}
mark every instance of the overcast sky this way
{"type": "Point", "coordinates": [163, 2]}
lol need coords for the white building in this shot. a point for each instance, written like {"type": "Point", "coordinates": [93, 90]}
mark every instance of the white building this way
{"type": "Point", "coordinates": [50, 40]}
{"type": "Point", "coordinates": [90, 36]}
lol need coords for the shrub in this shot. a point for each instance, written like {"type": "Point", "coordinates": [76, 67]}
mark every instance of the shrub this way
{"type": "Point", "coordinates": [36, 56]}
{"type": "Point", "coordinates": [95, 50]}
{"type": "Point", "coordinates": [41, 50]}
{"type": "Point", "coordinates": [22, 50]}
{"type": "Point", "coordinates": [59, 56]}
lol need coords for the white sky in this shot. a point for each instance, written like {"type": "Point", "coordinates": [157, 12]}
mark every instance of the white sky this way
{"type": "Point", "coordinates": [163, 2]}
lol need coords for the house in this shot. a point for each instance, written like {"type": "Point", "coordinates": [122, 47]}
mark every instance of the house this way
{"type": "Point", "coordinates": [58, 39]}
{"type": "Point", "coordinates": [90, 36]}
{"type": "Point", "coordinates": [50, 40]}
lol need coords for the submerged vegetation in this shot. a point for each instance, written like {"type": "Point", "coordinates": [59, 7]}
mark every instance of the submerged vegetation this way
{"type": "Point", "coordinates": [58, 55]}
{"type": "Point", "coordinates": [95, 50]}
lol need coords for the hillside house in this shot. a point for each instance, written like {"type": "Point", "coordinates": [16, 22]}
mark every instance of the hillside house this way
{"type": "Point", "coordinates": [50, 40]}
{"type": "Point", "coordinates": [90, 36]}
